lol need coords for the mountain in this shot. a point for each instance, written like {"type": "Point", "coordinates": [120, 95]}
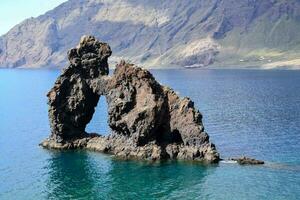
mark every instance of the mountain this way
{"type": "Point", "coordinates": [163, 33]}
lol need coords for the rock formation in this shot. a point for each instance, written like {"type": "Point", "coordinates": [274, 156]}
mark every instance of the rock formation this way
{"type": "Point", "coordinates": [247, 161]}
{"type": "Point", "coordinates": [72, 100]}
{"type": "Point", "coordinates": [147, 120]}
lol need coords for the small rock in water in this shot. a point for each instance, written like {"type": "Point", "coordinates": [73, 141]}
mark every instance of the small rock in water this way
{"type": "Point", "coordinates": [247, 161]}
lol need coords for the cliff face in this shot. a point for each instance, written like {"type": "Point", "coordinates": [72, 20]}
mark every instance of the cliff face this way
{"type": "Point", "coordinates": [162, 33]}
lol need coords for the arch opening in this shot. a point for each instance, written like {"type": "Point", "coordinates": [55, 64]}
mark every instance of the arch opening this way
{"type": "Point", "coordinates": [99, 121]}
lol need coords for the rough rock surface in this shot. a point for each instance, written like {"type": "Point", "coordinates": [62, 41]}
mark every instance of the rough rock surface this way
{"type": "Point", "coordinates": [248, 161]}
{"type": "Point", "coordinates": [147, 120]}
{"type": "Point", "coordinates": [72, 100]}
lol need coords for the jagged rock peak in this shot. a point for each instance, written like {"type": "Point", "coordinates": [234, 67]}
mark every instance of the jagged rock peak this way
{"type": "Point", "coordinates": [147, 120]}
{"type": "Point", "coordinates": [90, 53]}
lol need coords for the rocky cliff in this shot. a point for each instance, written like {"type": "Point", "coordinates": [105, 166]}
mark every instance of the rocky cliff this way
{"type": "Point", "coordinates": [163, 33]}
{"type": "Point", "coordinates": [147, 120]}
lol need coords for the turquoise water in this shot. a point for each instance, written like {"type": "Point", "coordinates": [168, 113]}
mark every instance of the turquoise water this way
{"type": "Point", "coordinates": [256, 113]}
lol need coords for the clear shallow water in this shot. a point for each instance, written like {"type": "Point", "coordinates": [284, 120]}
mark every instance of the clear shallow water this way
{"type": "Point", "coordinates": [256, 113]}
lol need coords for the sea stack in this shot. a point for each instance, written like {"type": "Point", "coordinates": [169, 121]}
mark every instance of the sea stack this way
{"type": "Point", "coordinates": [147, 120]}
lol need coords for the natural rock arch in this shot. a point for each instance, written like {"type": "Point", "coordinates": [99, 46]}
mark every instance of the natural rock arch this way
{"type": "Point", "coordinates": [147, 120]}
{"type": "Point", "coordinates": [72, 100]}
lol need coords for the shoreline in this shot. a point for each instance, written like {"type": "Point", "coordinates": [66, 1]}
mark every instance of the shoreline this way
{"type": "Point", "coordinates": [210, 67]}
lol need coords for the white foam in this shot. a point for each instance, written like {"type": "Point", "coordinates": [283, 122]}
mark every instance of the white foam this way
{"type": "Point", "coordinates": [228, 161]}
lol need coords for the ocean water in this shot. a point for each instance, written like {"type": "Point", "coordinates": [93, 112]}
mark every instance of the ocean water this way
{"type": "Point", "coordinates": [246, 112]}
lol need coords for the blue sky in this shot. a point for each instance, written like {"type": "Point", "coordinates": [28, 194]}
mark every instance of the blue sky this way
{"type": "Point", "coordinates": [13, 12]}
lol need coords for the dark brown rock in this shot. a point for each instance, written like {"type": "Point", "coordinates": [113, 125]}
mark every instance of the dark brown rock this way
{"type": "Point", "coordinates": [136, 104]}
{"type": "Point", "coordinates": [147, 120]}
{"type": "Point", "coordinates": [72, 101]}
{"type": "Point", "coordinates": [248, 161]}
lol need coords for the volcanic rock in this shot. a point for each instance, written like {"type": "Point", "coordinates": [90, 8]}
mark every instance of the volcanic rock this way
{"type": "Point", "coordinates": [72, 100]}
{"type": "Point", "coordinates": [248, 161]}
{"type": "Point", "coordinates": [147, 120]}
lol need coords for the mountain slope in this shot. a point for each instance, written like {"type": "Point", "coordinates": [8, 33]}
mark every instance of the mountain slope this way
{"type": "Point", "coordinates": [162, 32]}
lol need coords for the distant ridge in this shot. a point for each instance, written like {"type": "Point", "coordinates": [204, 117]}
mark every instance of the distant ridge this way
{"type": "Point", "coordinates": [163, 33]}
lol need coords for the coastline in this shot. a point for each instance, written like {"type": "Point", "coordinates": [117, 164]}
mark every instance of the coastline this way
{"type": "Point", "coordinates": [210, 67]}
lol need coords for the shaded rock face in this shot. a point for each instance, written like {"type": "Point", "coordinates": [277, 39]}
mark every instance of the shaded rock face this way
{"type": "Point", "coordinates": [71, 100]}
{"type": "Point", "coordinates": [148, 120]}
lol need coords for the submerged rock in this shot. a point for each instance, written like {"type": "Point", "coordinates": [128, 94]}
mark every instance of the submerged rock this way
{"type": "Point", "coordinates": [147, 120]}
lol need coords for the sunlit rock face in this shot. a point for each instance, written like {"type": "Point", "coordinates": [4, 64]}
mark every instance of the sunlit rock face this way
{"type": "Point", "coordinates": [162, 33]}
{"type": "Point", "coordinates": [147, 120]}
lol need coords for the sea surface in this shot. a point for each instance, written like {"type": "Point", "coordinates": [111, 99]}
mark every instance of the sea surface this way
{"type": "Point", "coordinates": [246, 112]}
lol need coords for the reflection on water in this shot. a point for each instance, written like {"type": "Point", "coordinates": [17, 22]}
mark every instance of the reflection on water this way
{"type": "Point", "coordinates": [75, 175]}
{"type": "Point", "coordinates": [141, 180]}
{"type": "Point", "coordinates": [88, 175]}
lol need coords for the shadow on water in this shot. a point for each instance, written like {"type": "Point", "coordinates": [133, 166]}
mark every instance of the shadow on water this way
{"type": "Point", "coordinates": [89, 175]}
